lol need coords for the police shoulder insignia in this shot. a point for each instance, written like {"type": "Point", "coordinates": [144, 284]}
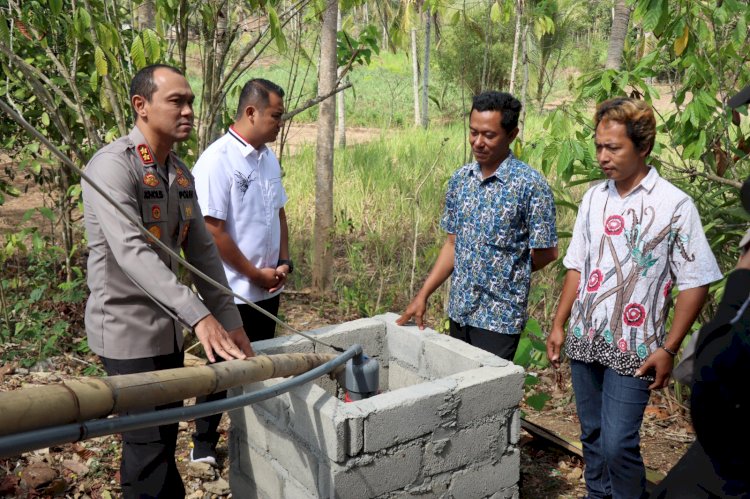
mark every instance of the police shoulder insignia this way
{"type": "Point", "coordinates": [156, 212]}
{"type": "Point", "coordinates": [150, 180]}
{"type": "Point", "coordinates": [145, 153]}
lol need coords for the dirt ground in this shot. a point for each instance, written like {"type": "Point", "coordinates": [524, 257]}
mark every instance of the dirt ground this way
{"type": "Point", "coordinates": [89, 469]}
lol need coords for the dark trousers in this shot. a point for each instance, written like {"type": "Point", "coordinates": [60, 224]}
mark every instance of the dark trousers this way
{"type": "Point", "coordinates": [147, 467]}
{"type": "Point", "coordinates": [258, 327]}
{"type": "Point", "coordinates": [610, 408]}
{"type": "Point", "coordinates": [502, 345]}
{"type": "Point", "coordinates": [696, 476]}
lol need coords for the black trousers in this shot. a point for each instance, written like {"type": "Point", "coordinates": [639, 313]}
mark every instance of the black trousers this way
{"type": "Point", "coordinates": [258, 327]}
{"type": "Point", "coordinates": [697, 476]}
{"type": "Point", "coordinates": [147, 467]}
{"type": "Point", "coordinates": [502, 345]}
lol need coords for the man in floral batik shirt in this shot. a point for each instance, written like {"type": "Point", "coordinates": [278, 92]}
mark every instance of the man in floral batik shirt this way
{"type": "Point", "coordinates": [636, 237]}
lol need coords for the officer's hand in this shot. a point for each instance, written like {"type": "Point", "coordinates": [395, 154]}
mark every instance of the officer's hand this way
{"type": "Point", "coordinates": [416, 309]}
{"type": "Point", "coordinates": [282, 271]}
{"type": "Point", "coordinates": [661, 362]}
{"type": "Point", "coordinates": [266, 278]}
{"type": "Point", "coordinates": [555, 342]}
{"type": "Point", "coordinates": [239, 337]}
{"type": "Point", "coordinates": [215, 339]}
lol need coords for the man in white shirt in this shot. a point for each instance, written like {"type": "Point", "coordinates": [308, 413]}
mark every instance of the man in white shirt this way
{"type": "Point", "coordinates": [238, 184]}
{"type": "Point", "coordinates": [636, 238]}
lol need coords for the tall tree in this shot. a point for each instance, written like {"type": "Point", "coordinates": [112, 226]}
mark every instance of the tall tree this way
{"type": "Point", "coordinates": [323, 226]}
{"type": "Point", "coordinates": [620, 21]}
{"type": "Point", "coordinates": [415, 71]}
{"type": "Point", "coordinates": [516, 44]}
{"type": "Point", "coordinates": [340, 102]}
{"type": "Point", "coordinates": [426, 69]}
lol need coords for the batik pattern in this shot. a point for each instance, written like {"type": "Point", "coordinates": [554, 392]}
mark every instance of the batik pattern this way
{"type": "Point", "coordinates": [631, 252]}
{"type": "Point", "coordinates": [496, 222]}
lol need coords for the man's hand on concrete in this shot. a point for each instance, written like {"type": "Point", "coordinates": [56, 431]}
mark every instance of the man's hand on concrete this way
{"type": "Point", "coordinates": [416, 309]}
{"type": "Point", "coordinates": [662, 363]}
{"type": "Point", "coordinates": [266, 278]}
{"type": "Point", "coordinates": [555, 342]}
{"type": "Point", "coordinates": [215, 339]}
{"type": "Point", "coordinates": [239, 337]}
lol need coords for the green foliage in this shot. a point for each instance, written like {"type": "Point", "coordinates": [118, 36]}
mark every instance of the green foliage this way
{"type": "Point", "coordinates": [41, 310]}
{"type": "Point", "coordinates": [460, 55]}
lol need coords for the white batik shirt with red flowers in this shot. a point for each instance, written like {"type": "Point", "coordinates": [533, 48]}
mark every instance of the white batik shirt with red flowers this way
{"type": "Point", "coordinates": [631, 251]}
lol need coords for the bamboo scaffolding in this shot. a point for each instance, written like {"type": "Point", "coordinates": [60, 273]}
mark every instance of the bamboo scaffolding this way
{"type": "Point", "coordinates": [90, 398]}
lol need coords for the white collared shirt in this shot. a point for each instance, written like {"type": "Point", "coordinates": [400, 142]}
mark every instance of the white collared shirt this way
{"type": "Point", "coordinates": [242, 186]}
{"type": "Point", "coordinates": [630, 252]}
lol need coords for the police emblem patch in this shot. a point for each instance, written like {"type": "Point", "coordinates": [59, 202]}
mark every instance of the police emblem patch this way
{"type": "Point", "coordinates": [145, 153]}
{"type": "Point", "coordinates": [188, 211]}
{"type": "Point", "coordinates": [156, 212]}
{"type": "Point", "coordinates": [150, 180]}
{"type": "Point", "coordinates": [182, 180]}
{"type": "Point", "coordinates": [156, 231]}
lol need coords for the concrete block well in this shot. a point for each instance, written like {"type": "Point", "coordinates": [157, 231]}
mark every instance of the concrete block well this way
{"type": "Point", "coordinates": [444, 425]}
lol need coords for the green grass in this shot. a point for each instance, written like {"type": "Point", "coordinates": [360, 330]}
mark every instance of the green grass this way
{"type": "Point", "coordinates": [376, 209]}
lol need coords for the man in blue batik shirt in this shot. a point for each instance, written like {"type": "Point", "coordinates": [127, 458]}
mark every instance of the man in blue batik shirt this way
{"type": "Point", "coordinates": [500, 219]}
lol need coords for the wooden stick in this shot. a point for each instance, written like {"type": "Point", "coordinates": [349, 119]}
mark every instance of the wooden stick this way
{"type": "Point", "coordinates": [89, 398]}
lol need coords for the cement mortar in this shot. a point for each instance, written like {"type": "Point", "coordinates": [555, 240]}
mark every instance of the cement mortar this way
{"type": "Point", "coordinates": [448, 426]}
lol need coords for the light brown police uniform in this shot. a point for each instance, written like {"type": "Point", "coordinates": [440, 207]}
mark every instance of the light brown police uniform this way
{"type": "Point", "coordinates": [125, 270]}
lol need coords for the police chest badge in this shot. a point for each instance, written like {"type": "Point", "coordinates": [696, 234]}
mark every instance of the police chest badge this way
{"type": "Point", "coordinates": [150, 180]}
{"type": "Point", "coordinates": [156, 212]}
{"type": "Point", "coordinates": [145, 154]}
{"type": "Point", "coordinates": [156, 231]}
{"type": "Point", "coordinates": [182, 181]}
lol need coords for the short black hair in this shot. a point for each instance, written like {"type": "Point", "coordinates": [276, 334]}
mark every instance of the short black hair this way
{"type": "Point", "coordinates": [143, 82]}
{"type": "Point", "coordinates": [509, 107]}
{"type": "Point", "coordinates": [257, 92]}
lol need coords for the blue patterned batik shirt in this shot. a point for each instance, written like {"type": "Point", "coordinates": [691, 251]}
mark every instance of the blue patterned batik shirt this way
{"type": "Point", "coordinates": [497, 221]}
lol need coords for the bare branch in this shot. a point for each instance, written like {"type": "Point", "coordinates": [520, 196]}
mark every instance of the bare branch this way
{"type": "Point", "coordinates": [312, 102]}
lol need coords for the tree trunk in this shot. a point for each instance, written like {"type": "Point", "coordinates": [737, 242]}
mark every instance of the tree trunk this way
{"type": "Point", "coordinates": [415, 74]}
{"type": "Point", "coordinates": [426, 70]}
{"type": "Point", "coordinates": [183, 34]}
{"type": "Point", "coordinates": [516, 43]}
{"type": "Point", "coordinates": [487, 37]}
{"type": "Point", "coordinates": [525, 87]}
{"type": "Point", "coordinates": [340, 103]}
{"type": "Point", "coordinates": [620, 20]}
{"type": "Point", "coordinates": [146, 15]}
{"type": "Point", "coordinates": [323, 227]}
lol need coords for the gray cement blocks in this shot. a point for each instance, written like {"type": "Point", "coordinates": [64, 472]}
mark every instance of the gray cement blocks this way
{"type": "Point", "coordinates": [447, 428]}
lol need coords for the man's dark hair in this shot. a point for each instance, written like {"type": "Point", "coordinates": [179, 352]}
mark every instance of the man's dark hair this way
{"type": "Point", "coordinates": [257, 92]}
{"type": "Point", "coordinates": [143, 82]}
{"type": "Point", "coordinates": [509, 107]}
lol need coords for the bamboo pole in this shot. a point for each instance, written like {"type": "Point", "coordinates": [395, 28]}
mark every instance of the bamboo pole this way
{"type": "Point", "coordinates": [90, 398]}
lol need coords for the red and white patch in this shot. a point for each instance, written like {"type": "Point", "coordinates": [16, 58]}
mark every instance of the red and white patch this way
{"type": "Point", "coordinates": [145, 153]}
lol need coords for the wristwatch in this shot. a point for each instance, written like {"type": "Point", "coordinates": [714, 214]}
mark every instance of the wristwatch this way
{"type": "Point", "coordinates": [286, 261]}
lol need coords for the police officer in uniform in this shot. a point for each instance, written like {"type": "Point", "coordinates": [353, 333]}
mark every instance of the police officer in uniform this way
{"type": "Point", "coordinates": [137, 307]}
